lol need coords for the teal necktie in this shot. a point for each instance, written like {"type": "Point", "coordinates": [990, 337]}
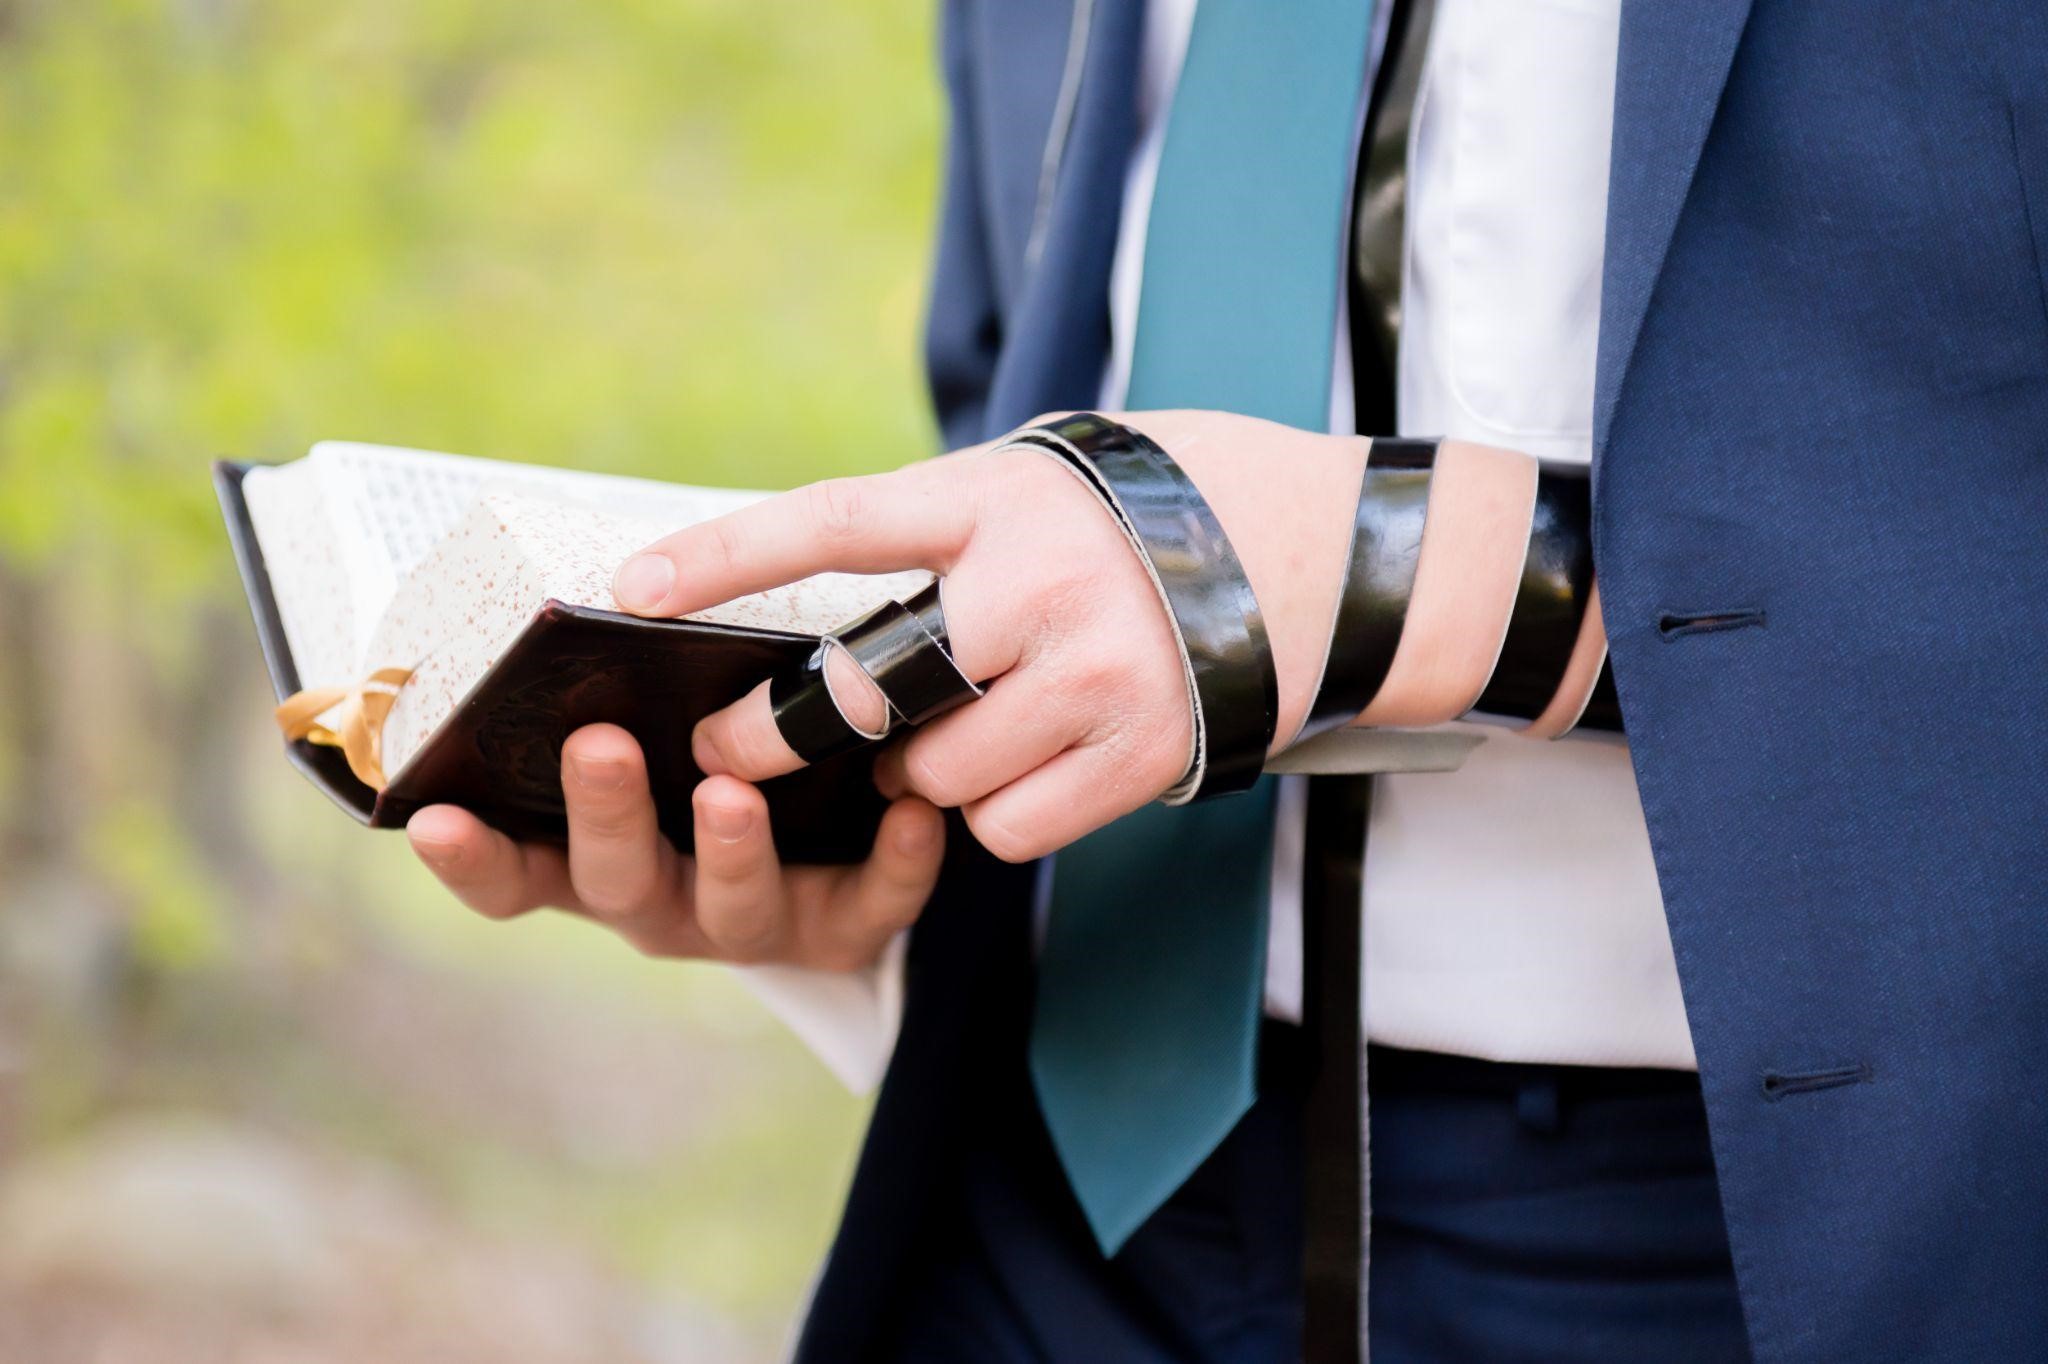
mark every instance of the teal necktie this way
{"type": "Point", "coordinates": [1145, 1035]}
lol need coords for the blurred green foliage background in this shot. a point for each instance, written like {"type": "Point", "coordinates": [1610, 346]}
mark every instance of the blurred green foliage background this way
{"type": "Point", "coordinates": [263, 1090]}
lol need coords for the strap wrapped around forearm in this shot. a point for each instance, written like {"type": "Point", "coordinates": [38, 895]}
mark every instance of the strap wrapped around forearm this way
{"type": "Point", "coordinates": [1379, 576]}
{"type": "Point", "coordinates": [1544, 626]}
{"type": "Point", "coordinates": [1232, 689]}
{"type": "Point", "coordinates": [1550, 602]}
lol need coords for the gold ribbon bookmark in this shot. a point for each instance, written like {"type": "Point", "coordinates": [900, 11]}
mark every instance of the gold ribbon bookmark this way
{"type": "Point", "coordinates": [358, 731]}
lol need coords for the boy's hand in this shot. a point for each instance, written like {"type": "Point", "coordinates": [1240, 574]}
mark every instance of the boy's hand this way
{"type": "Point", "coordinates": [1086, 715]}
{"type": "Point", "coordinates": [733, 901]}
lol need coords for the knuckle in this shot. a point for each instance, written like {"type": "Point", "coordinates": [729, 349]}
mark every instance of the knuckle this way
{"type": "Point", "coordinates": [606, 821]}
{"type": "Point", "coordinates": [745, 937]}
{"type": "Point", "coordinates": [1095, 673]}
{"type": "Point", "coordinates": [614, 897]}
{"type": "Point", "coordinates": [755, 748]}
{"type": "Point", "coordinates": [1080, 694]}
{"type": "Point", "coordinates": [725, 545]}
{"type": "Point", "coordinates": [1065, 608]}
{"type": "Point", "coordinates": [1023, 476]}
{"type": "Point", "coordinates": [1001, 468]}
{"type": "Point", "coordinates": [1003, 841]}
{"type": "Point", "coordinates": [838, 509]}
{"type": "Point", "coordinates": [928, 778]}
{"type": "Point", "coordinates": [726, 872]}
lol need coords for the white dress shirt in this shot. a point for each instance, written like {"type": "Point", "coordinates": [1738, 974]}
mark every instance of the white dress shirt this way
{"type": "Point", "coordinates": [1512, 910]}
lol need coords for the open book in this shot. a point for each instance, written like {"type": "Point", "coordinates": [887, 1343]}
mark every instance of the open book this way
{"type": "Point", "coordinates": [490, 584]}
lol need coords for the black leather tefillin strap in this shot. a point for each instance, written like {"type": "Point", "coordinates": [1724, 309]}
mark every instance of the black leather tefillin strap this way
{"type": "Point", "coordinates": [1216, 621]}
{"type": "Point", "coordinates": [1550, 603]}
{"type": "Point", "coordinates": [1379, 576]}
{"type": "Point", "coordinates": [905, 651]}
{"type": "Point", "coordinates": [1336, 1173]}
{"type": "Point", "coordinates": [1379, 579]}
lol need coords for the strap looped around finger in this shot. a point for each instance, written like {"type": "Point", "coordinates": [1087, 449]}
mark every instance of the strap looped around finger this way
{"type": "Point", "coordinates": [808, 715]}
{"type": "Point", "coordinates": [930, 605]}
{"type": "Point", "coordinates": [903, 648]}
{"type": "Point", "coordinates": [1217, 624]}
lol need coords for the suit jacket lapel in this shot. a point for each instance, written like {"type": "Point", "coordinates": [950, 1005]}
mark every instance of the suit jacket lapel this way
{"type": "Point", "coordinates": [1672, 67]}
{"type": "Point", "coordinates": [1057, 322]}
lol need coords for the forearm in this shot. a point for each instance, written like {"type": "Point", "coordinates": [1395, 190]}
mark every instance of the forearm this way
{"type": "Point", "coordinates": [1408, 596]}
{"type": "Point", "coordinates": [1502, 613]}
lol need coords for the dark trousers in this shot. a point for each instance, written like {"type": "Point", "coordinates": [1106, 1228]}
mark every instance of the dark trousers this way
{"type": "Point", "coordinates": [1519, 1213]}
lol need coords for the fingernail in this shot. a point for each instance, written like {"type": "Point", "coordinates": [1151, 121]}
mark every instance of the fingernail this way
{"type": "Point", "coordinates": [436, 854]}
{"type": "Point", "coordinates": [726, 824]}
{"type": "Point", "coordinates": [598, 774]}
{"type": "Point", "coordinates": [643, 582]}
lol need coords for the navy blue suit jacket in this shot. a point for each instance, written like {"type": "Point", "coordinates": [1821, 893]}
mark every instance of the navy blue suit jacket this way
{"type": "Point", "coordinates": [1821, 519]}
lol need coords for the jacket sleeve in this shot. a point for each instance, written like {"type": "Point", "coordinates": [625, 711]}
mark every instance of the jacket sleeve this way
{"type": "Point", "coordinates": [963, 327]}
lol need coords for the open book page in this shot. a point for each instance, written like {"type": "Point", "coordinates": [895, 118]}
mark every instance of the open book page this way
{"type": "Point", "coordinates": [391, 506]}
{"type": "Point", "coordinates": [309, 575]}
{"type": "Point", "coordinates": [516, 548]}
{"type": "Point", "coordinates": [343, 527]}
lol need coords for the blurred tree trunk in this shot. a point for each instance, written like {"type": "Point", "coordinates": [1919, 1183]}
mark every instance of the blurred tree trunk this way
{"type": "Point", "coordinates": [35, 834]}
{"type": "Point", "coordinates": [213, 709]}
{"type": "Point", "coordinates": [35, 827]}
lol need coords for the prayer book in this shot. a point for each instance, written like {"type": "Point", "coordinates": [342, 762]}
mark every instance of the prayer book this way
{"type": "Point", "coordinates": [435, 626]}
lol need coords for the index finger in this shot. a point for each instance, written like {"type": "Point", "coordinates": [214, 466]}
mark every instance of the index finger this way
{"type": "Point", "coordinates": [917, 517]}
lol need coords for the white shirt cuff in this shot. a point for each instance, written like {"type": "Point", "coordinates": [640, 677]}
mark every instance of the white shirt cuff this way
{"type": "Point", "coordinates": [849, 1019]}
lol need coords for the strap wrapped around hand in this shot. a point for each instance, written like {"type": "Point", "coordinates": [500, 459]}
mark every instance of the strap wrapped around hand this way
{"type": "Point", "coordinates": [1217, 624]}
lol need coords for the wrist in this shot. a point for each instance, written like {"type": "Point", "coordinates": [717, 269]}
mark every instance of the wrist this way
{"type": "Point", "coordinates": [1285, 497]}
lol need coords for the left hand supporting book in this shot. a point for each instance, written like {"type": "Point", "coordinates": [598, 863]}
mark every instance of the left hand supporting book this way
{"type": "Point", "coordinates": [488, 587]}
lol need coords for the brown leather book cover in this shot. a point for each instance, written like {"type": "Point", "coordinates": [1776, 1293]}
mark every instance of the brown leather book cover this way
{"type": "Point", "coordinates": [499, 754]}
